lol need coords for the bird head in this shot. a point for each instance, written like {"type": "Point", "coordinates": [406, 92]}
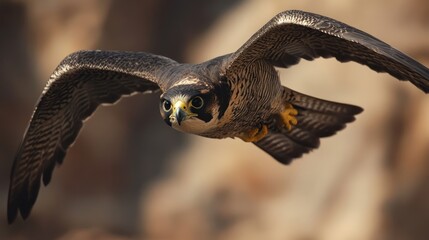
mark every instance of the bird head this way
{"type": "Point", "coordinates": [191, 108]}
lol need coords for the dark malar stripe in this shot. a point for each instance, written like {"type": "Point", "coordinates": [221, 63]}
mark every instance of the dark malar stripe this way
{"type": "Point", "coordinates": [223, 92]}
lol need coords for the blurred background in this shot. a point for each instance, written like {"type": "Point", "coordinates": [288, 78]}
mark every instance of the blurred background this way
{"type": "Point", "coordinates": [130, 176]}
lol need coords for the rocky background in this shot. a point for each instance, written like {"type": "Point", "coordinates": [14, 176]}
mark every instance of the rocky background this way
{"type": "Point", "coordinates": [129, 176]}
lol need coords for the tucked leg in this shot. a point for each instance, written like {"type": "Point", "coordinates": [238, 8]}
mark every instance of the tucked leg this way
{"type": "Point", "coordinates": [255, 134]}
{"type": "Point", "coordinates": [289, 116]}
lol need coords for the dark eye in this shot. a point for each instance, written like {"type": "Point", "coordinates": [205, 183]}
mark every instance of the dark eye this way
{"type": "Point", "coordinates": [166, 105]}
{"type": "Point", "coordinates": [197, 102]}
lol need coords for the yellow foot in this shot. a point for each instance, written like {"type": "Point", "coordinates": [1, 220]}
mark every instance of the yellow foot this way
{"type": "Point", "coordinates": [289, 116]}
{"type": "Point", "coordinates": [254, 135]}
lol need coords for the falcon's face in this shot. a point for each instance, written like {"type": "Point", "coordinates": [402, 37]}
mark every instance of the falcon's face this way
{"type": "Point", "coordinates": [188, 109]}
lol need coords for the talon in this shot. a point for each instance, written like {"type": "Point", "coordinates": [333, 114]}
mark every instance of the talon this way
{"type": "Point", "coordinates": [255, 134]}
{"type": "Point", "coordinates": [289, 116]}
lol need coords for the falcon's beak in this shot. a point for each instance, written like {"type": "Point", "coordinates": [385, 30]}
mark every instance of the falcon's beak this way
{"type": "Point", "coordinates": [180, 112]}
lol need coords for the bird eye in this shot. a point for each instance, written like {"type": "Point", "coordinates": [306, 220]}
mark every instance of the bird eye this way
{"type": "Point", "coordinates": [197, 102]}
{"type": "Point", "coordinates": [166, 105]}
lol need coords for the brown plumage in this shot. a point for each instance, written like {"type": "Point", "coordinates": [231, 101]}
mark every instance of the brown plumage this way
{"type": "Point", "coordinates": [235, 95]}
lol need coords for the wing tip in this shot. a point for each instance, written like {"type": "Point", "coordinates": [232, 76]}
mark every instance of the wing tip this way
{"type": "Point", "coordinates": [423, 86]}
{"type": "Point", "coordinates": [23, 205]}
{"type": "Point", "coordinates": [12, 212]}
{"type": "Point", "coordinates": [14, 206]}
{"type": "Point", "coordinates": [21, 197]}
{"type": "Point", "coordinates": [356, 109]}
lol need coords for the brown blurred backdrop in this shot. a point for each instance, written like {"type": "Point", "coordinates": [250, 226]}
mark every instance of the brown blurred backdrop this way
{"type": "Point", "coordinates": [129, 176]}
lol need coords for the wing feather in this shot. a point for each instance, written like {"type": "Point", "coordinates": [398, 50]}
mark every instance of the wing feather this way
{"type": "Point", "coordinates": [82, 82]}
{"type": "Point", "coordinates": [293, 35]}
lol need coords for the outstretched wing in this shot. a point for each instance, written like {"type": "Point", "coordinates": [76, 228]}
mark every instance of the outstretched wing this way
{"type": "Point", "coordinates": [293, 35]}
{"type": "Point", "coordinates": [82, 82]}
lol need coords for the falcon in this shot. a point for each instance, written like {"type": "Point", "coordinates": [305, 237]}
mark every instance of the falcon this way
{"type": "Point", "coordinates": [237, 95]}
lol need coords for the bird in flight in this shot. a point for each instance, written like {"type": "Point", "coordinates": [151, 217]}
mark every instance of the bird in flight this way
{"type": "Point", "coordinates": [237, 95]}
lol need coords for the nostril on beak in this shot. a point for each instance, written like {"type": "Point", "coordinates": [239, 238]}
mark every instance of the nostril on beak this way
{"type": "Point", "coordinates": [180, 116]}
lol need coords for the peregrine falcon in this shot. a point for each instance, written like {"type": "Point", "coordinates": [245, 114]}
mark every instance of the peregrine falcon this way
{"type": "Point", "coordinates": [237, 95]}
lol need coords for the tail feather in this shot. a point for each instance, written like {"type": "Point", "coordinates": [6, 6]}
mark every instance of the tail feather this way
{"type": "Point", "coordinates": [307, 102]}
{"type": "Point", "coordinates": [281, 147]}
{"type": "Point", "coordinates": [322, 124]}
{"type": "Point", "coordinates": [316, 117]}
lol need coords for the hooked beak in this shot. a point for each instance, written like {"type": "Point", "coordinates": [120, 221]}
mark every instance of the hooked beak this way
{"type": "Point", "coordinates": [180, 113]}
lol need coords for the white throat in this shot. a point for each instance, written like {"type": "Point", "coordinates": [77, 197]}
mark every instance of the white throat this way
{"type": "Point", "coordinates": [196, 126]}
